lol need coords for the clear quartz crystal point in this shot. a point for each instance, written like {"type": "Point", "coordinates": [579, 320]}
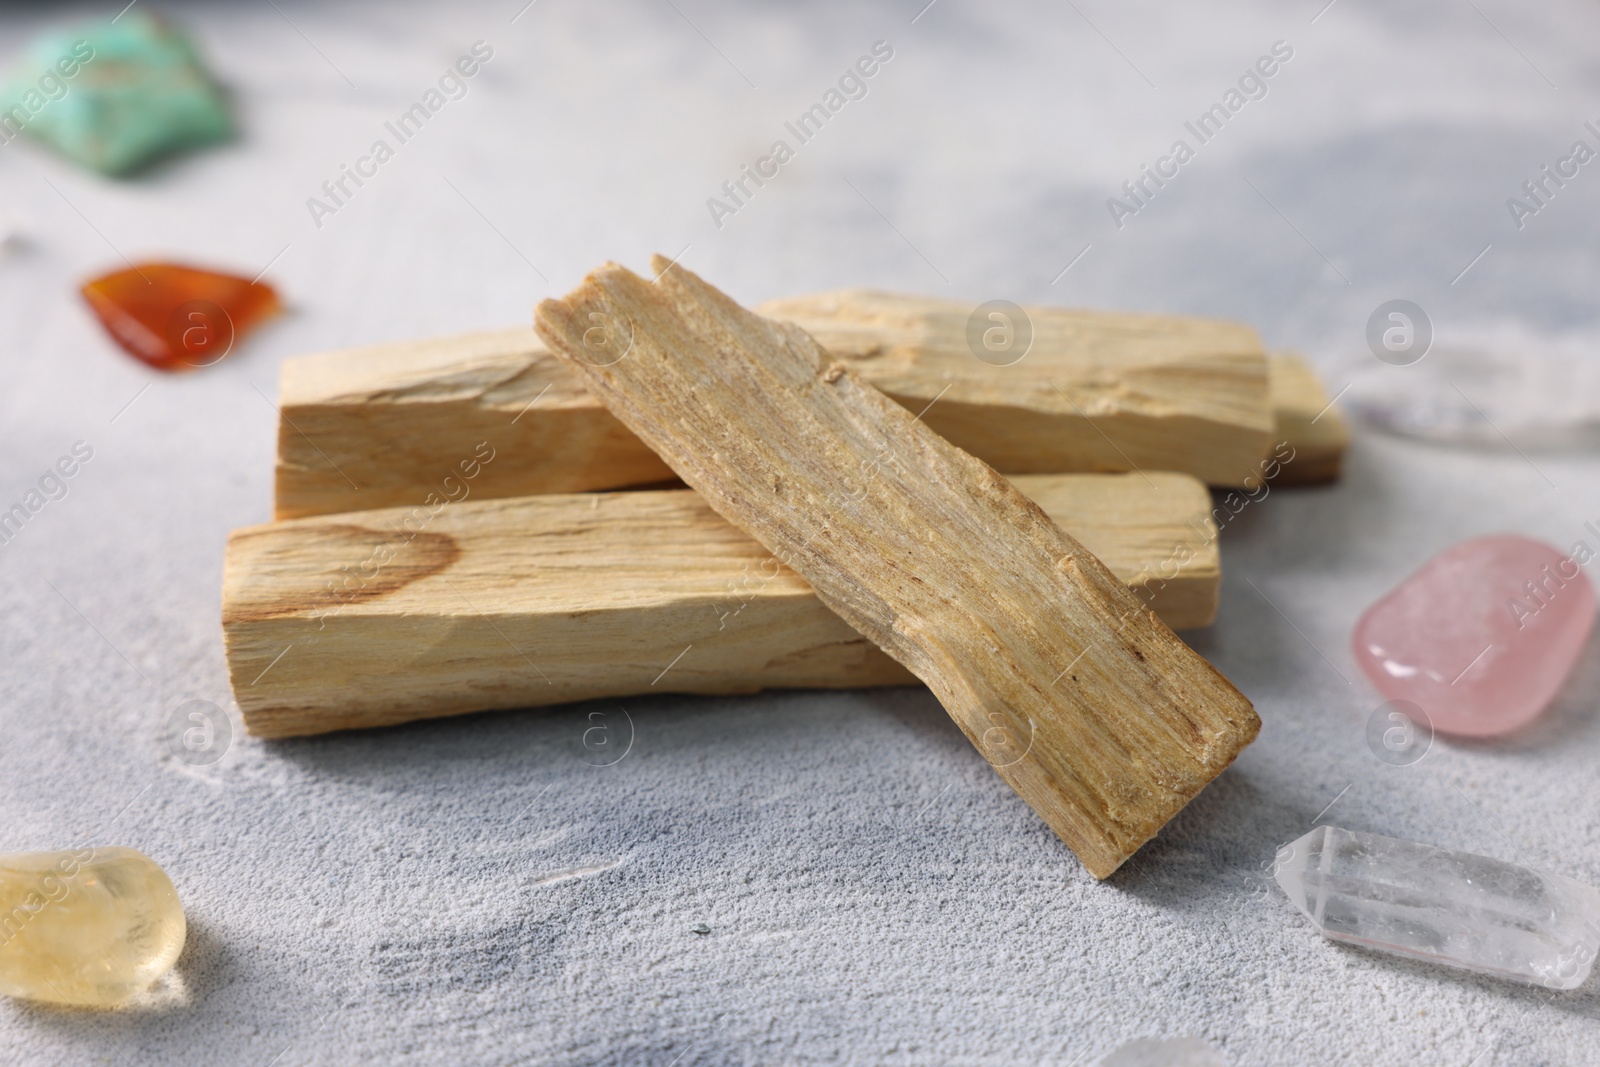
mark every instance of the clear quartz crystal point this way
{"type": "Point", "coordinates": [91, 927]}
{"type": "Point", "coordinates": [1448, 907]}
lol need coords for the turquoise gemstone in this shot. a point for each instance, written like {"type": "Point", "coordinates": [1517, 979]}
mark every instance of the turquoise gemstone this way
{"type": "Point", "coordinates": [114, 97]}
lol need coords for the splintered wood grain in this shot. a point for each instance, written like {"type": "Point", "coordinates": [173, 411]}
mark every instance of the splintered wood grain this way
{"type": "Point", "coordinates": [378, 617]}
{"type": "Point", "coordinates": [1093, 390]}
{"type": "Point", "coordinates": [387, 425]}
{"type": "Point", "coordinates": [1084, 702]}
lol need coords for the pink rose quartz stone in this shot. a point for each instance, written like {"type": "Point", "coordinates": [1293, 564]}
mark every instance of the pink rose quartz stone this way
{"type": "Point", "coordinates": [1482, 636]}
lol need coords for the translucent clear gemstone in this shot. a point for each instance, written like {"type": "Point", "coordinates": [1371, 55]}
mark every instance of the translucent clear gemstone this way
{"type": "Point", "coordinates": [1519, 388]}
{"type": "Point", "coordinates": [176, 318]}
{"type": "Point", "coordinates": [1448, 907]}
{"type": "Point", "coordinates": [91, 927]}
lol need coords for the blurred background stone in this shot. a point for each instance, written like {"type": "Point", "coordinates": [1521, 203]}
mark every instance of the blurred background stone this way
{"type": "Point", "coordinates": [114, 96]}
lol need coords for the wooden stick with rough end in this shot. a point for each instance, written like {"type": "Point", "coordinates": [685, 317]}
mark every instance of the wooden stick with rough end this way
{"type": "Point", "coordinates": [1067, 390]}
{"type": "Point", "coordinates": [1309, 424]}
{"type": "Point", "coordinates": [1084, 702]}
{"type": "Point", "coordinates": [385, 426]}
{"type": "Point", "coordinates": [382, 426]}
{"type": "Point", "coordinates": [378, 617]}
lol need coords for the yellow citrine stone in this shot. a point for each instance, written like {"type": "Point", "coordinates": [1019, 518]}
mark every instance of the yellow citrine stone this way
{"type": "Point", "coordinates": [90, 927]}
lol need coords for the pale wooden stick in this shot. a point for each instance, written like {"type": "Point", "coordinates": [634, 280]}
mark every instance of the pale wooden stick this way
{"type": "Point", "coordinates": [380, 617]}
{"type": "Point", "coordinates": [1093, 390]}
{"type": "Point", "coordinates": [383, 426]}
{"type": "Point", "coordinates": [1309, 423]}
{"type": "Point", "coordinates": [1083, 701]}
{"type": "Point", "coordinates": [386, 426]}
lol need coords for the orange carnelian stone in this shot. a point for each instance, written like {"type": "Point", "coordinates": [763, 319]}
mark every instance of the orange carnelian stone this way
{"type": "Point", "coordinates": [178, 318]}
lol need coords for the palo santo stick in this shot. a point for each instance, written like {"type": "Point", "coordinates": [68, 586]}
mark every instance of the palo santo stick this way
{"type": "Point", "coordinates": [1307, 421]}
{"type": "Point", "coordinates": [383, 426]}
{"type": "Point", "coordinates": [1086, 704]}
{"type": "Point", "coordinates": [385, 615]}
{"type": "Point", "coordinates": [1094, 390]}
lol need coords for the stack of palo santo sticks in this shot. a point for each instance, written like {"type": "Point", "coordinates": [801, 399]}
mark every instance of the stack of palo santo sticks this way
{"type": "Point", "coordinates": [499, 521]}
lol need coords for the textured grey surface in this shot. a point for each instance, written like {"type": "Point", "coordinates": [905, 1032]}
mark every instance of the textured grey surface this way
{"type": "Point", "coordinates": [474, 890]}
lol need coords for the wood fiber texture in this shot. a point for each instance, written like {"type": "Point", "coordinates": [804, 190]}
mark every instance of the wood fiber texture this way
{"type": "Point", "coordinates": [1314, 430]}
{"type": "Point", "coordinates": [383, 426]}
{"type": "Point", "coordinates": [386, 616]}
{"type": "Point", "coordinates": [1093, 390]}
{"type": "Point", "coordinates": [1086, 704]}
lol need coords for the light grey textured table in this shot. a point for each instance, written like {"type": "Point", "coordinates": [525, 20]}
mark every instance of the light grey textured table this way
{"type": "Point", "coordinates": [473, 890]}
